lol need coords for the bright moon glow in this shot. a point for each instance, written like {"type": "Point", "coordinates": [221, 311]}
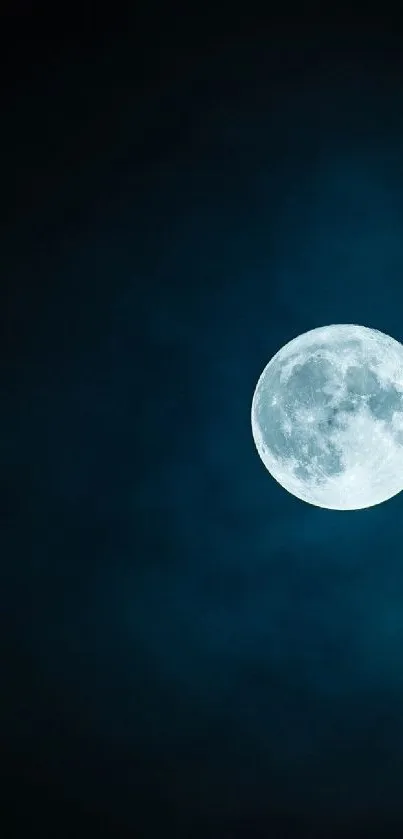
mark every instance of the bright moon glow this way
{"type": "Point", "coordinates": [327, 417]}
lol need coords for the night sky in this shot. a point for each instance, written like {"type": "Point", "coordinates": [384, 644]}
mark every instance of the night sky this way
{"type": "Point", "coordinates": [188, 650]}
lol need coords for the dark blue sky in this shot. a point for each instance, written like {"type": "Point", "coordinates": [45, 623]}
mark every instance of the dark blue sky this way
{"type": "Point", "coordinates": [189, 650]}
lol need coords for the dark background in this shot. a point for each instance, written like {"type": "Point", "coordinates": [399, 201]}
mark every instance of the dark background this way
{"type": "Point", "coordinates": [188, 650]}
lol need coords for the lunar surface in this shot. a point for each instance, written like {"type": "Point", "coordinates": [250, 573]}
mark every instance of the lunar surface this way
{"type": "Point", "coordinates": [327, 417]}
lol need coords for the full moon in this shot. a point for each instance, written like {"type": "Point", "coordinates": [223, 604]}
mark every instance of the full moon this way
{"type": "Point", "coordinates": [327, 417]}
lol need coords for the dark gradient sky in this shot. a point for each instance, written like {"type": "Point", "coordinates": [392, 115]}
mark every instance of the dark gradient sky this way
{"type": "Point", "coordinates": [189, 651]}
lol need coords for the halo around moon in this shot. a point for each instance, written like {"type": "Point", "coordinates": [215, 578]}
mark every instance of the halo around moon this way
{"type": "Point", "coordinates": [327, 417]}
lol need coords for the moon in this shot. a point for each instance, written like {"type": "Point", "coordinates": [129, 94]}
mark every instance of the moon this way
{"type": "Point", "coordinates": [327, 417]}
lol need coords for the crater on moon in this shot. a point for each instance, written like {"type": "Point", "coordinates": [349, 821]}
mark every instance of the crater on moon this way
{"type": "Point", "coordinates": [327, 417]}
